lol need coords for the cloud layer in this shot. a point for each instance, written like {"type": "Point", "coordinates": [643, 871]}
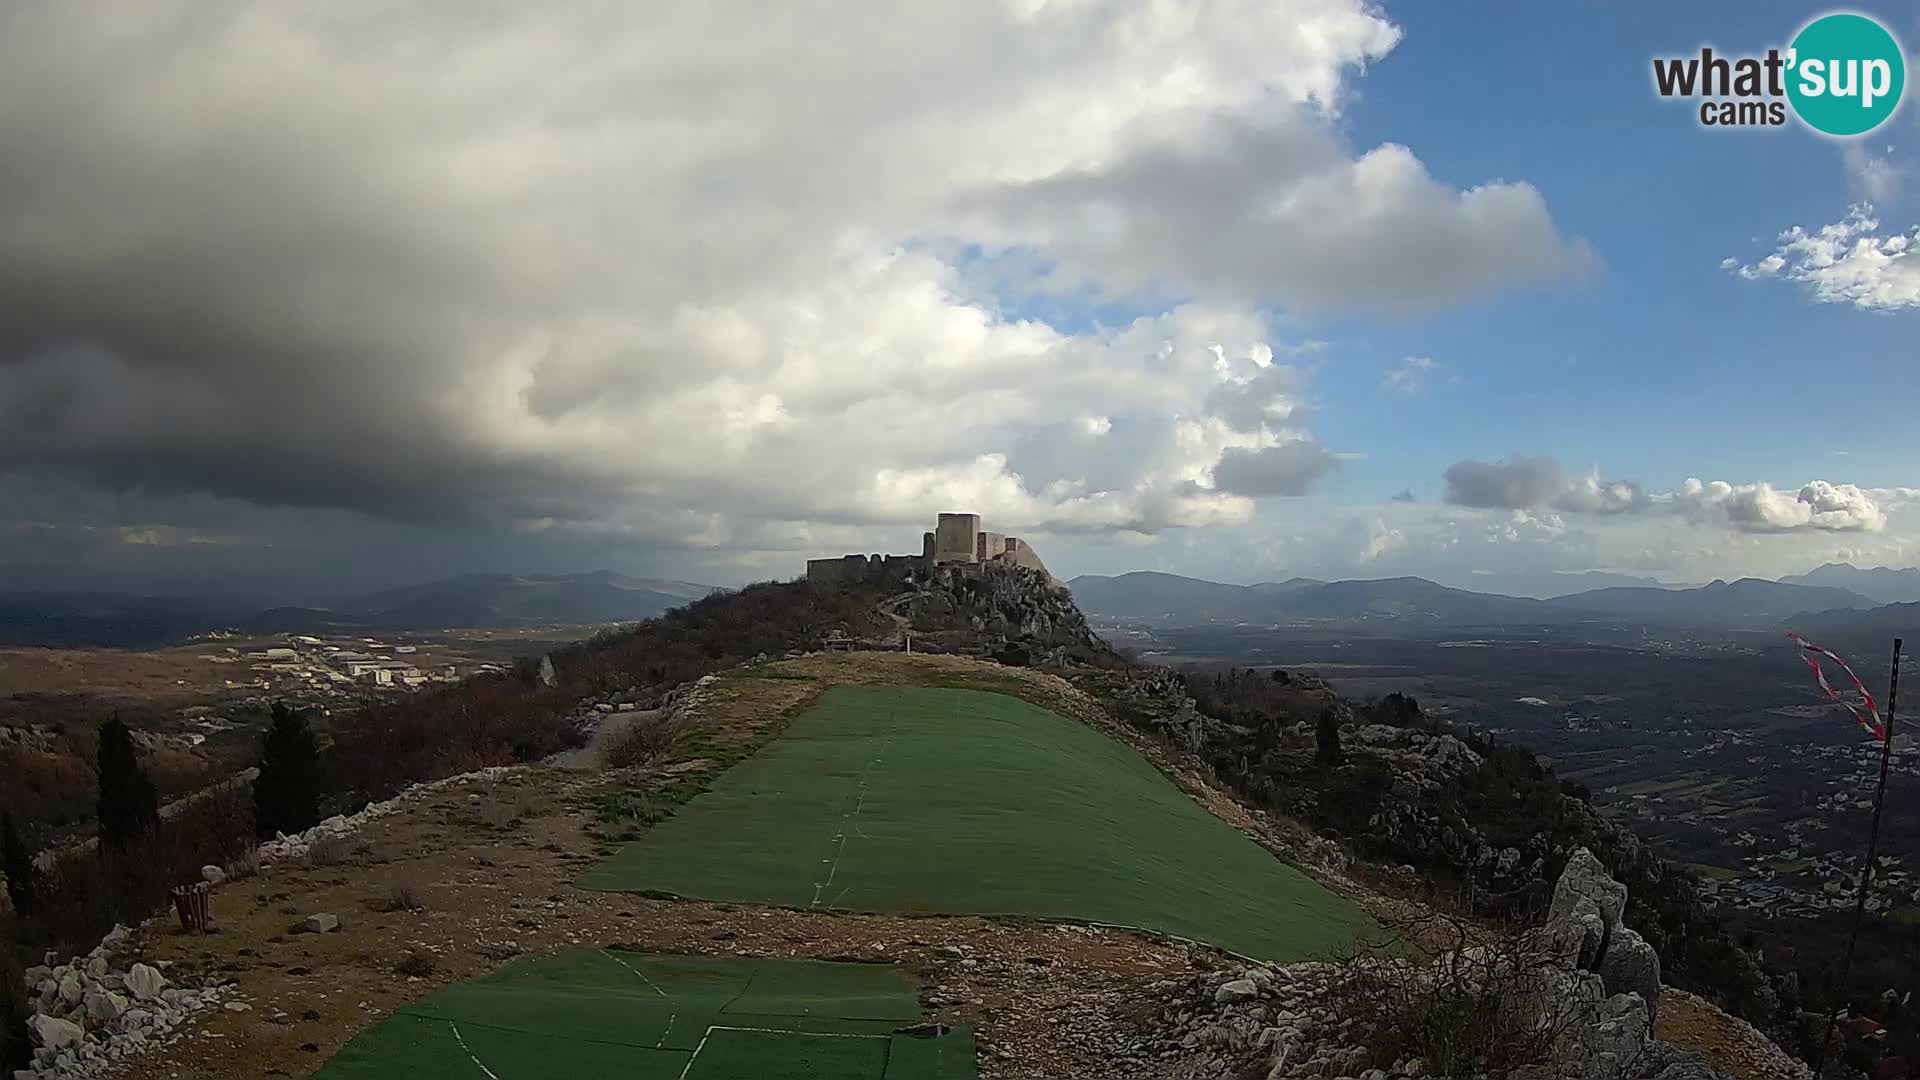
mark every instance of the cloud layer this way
{"type": "Point", "coordinates": [702, 275]}
{"type": "Point", "coordinates": [1531, 483]}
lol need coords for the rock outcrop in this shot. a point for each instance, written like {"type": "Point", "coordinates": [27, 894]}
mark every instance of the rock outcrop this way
{"type": "Point", "coordinates": [1573, 999]}
{"type": "Point", "coordinates": [89, 1013]}
{"type": "Point", "coordinates": [1585, 918]}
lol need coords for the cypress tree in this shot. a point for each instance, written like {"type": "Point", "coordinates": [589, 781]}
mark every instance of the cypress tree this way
{"type": "Point", "coordinates": [286, 795]}
{"type": "Point", "coordinates": [22, 887]}
{"type": "Point", "coordinates": [1327, 736]}
{"type": "Point", "coordinates": [128, 804]}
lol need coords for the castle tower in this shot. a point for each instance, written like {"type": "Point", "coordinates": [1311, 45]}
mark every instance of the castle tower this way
{"type": "Point", "coordinates": [956, 539]}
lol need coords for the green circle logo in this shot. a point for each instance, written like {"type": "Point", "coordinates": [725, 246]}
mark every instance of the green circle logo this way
{"type": "Point", "coordinates": [1845, 74]}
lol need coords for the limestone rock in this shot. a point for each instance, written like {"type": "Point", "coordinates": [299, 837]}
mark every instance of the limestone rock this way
{"type": "Point", "coordinates": [1586, 879]}
{"type": "Point", "coordinates": [104, 1006]}
{"type": "Point", "coordinates": [1630, 966]}
{"type": "Point", "coordinates": [212, 874]}
{"type": "Point", "coordinates": [1236, 990]}
{"type": "Point", "coordinates": [54, 1033]}
{"type": "Point", "coordinates": [322, 923]}
{"type": "Point", "coordinates": [72, 989]}
{"type": "Point", "coordinates": [145, 983]}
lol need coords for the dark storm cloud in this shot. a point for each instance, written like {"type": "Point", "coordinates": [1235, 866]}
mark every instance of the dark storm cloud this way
{"type": "Point", "coordinates": [1524, 483]}
{"type": "Point", "coordinates": [1292, 468]}
{"type": "Point", "coordinates": [1517, 483]}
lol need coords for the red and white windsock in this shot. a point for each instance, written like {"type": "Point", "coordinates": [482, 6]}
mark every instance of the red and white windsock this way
{"type": "Point", "coordinates": [1869, 716]}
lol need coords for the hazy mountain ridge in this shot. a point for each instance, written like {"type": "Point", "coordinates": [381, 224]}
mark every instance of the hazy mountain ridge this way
{"type": "Point", "coordinates": [123, 620]}
{"type": "Point", "coordinates": [1717, 601]}
{"type": "Point", "coordinates": [1880, 583]}
{"type": "Point", "coordinates": [1746, 603]}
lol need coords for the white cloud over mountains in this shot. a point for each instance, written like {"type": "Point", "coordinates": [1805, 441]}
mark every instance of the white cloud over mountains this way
{"type": "Point", "coordinates": [1529, 483]}
{"type": "Point", "coordinates": [1851, 261]}
{"type": "Point", "coordinates": [703, 274]}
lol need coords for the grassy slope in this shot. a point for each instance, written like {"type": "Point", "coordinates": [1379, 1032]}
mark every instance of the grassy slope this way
{"type": "Point", "coordinates": [963, 802]}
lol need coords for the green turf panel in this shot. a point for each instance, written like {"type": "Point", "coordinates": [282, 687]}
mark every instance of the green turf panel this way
{"type": "Point", "coordinates": [940, 1057]}
{"type": "Point", "coordinates": [618, 1018]}
{"type": "Point", "coordinates": [519, 1055]}
{"type": "Point", "coordinates": [605, 1012]}
{"type": "Point", "coordinates": [812, 988]}
{"type": "Point", "coordinates": [760, 1055]}
{"type": "Point", "coordinates": [819, 1025]}
{"type": "Point", "coordinates": [401, 1046]}
{"type": "Point", "coordinates": [966, 802]}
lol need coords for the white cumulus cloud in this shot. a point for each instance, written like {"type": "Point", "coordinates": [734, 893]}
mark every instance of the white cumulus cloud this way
{"type": "Point", "coordinates": [1848, 262]}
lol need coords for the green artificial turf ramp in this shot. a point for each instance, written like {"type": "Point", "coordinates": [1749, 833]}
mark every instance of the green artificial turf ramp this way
{"type": "Point", "coordinates": [609, 1013]}
{"type": "Point", "coordinates": [966, 802]}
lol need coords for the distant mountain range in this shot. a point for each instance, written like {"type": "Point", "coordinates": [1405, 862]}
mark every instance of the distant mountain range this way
{"type": "Point", "coordinates": [472, 601]}
{"type": "Point", "coordinates": [1879, 584]}
{"type": "Point", "coordinates": [1171, 599]}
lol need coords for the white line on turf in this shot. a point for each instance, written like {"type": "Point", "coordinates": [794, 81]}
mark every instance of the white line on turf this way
{"type": "Point", "coordinates": [655, 987]}
{"type": "Point", "coordinates": [840, 848]}
{"type": "Point", "coordinates": [470, 1056]}
{"type": "Point", "coordinates": [688, 1067]}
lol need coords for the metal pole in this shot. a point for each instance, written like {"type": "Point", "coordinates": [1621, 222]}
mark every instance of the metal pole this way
{"type": "Point", "coordinates": [1866, 872]}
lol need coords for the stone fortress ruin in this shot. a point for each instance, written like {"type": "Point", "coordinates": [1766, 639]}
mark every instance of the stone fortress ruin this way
{"type": "Point", "coordinates": [956, 541]}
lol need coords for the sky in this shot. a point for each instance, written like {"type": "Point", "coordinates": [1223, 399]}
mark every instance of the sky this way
{"type": "Point", "coordinates": [307, 298]}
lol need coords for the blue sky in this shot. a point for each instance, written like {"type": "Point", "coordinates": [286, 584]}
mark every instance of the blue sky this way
{"type": "Point", "coordinates": [1662, 365]}
{"type": "Point", "coordinates": [293, 313]}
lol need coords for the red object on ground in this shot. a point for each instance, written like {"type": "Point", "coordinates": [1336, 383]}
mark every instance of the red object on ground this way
{"type": "Point", "coordinates": [190, 902]}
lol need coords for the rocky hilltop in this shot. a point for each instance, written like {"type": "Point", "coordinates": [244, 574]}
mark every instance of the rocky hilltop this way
{"type": "Point", "coordinates": [1528, 938]}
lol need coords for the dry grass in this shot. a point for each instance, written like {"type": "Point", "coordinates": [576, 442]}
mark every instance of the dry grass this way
{"type": "Point", "coordinates": [400, 896]}
{"type": "Point", "coordinates": [415, 964]}
{"type": "Point", "coordinates": [329, 851]}
{"type": "Point", "coordinates": [642, 742]}
{"type": "Point", "coordinates": [244, 865]}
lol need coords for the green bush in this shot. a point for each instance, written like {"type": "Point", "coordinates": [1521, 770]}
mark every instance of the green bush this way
{"type": "Point", "coordinates": [128, 805]}
{"type": "Point", "coordinates": [286, 794]}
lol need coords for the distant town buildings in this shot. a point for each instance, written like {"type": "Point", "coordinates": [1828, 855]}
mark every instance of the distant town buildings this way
{"type": "Point", "coordinates": [314, 665]}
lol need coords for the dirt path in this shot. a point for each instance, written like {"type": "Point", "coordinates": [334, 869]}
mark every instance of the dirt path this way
{"type": "Point", "coordinates": [890, 608]}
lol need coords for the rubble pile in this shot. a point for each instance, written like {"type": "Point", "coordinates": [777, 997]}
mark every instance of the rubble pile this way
{"type": "Point", "coordinates": [91, 1011]}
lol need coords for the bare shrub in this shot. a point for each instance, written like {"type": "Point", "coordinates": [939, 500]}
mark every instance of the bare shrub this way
{"type": "Point", "coordinates": [244, 865]}
{"type": "Point", "coordinates": [86, 892]}
{"type": "Point", "coordinates": [1483, 1005]}
{"type": "Point", "coordinates": [402, 896]}
{"type": "Point", "coordinates": [528, 804]}
{"type": "Point", "coordinates": [642, 743]}
{"type": "Point", "coordinates": [329, 850]}
{"type": "Point", "coordinates": [494, 812]}
{"type": "Point", "coordinates": [415, 964]}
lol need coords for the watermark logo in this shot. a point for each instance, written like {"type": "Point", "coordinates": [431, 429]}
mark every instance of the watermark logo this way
{"type": "Point", "coordinates": [1843, 75]}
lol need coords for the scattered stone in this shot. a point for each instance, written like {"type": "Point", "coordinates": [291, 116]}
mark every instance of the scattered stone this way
{"type": "Point", "coordinates": [322, 923]}
{"type": "Point", "coordinates": [1237, 990]}
{"type": "Point", "coordinates": [53, 1033]}
{"type": "Point", "coordinates": [212, 874]}
{"type": "Point", "coordinates": [104, 1006]}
